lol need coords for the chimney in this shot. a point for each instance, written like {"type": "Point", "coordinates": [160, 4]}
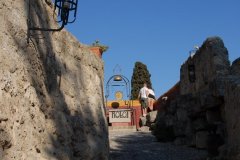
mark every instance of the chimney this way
{"type": "Point", "coordinates": [97, 50]}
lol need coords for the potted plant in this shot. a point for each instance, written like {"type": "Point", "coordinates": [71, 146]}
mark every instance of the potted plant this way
{"type": "Point", "coordinates": [98, 48]}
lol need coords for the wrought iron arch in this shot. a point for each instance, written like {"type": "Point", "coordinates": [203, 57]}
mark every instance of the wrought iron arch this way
{"type": "Point", "coordinates": [113, 81]}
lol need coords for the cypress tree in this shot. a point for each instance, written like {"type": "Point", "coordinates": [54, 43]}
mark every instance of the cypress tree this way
{"type": "Point", "coordinates": [140, 76]}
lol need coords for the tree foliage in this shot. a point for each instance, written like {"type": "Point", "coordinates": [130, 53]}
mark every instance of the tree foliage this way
{"type": "Point", "coordinates": [140, 76]}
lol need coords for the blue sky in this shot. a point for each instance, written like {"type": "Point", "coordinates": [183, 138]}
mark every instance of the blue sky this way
{"type": "Point", "coordinates": [157, 33]}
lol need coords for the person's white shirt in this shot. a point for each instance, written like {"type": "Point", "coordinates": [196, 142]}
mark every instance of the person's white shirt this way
{"type": "Point", "coordinates": [151, 92]}
{"type": "Point", "coordinates": [144, 92]}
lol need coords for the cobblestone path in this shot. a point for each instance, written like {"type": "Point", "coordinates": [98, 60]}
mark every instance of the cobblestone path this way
{"type": "Point", "coordinates": [129, 145]}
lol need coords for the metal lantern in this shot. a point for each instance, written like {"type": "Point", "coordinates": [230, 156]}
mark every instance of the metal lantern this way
{"type": "Point", "coordinates": [64, 8]}
{"type": "Point", "coordinates": [191, 73]}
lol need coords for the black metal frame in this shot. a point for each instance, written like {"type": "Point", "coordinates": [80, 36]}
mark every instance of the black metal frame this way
{"type": "Point", "coordinates": [125, 83]}
{"type": "Point", "coordinates": [63, 13]}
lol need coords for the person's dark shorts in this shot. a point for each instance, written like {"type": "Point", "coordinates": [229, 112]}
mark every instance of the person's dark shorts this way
{"type": "Point", "coordinates": [144, 103]}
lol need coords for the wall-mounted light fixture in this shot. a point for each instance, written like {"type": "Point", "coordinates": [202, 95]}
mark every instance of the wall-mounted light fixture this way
{"type": "Point", "coordinates": [64, 7]}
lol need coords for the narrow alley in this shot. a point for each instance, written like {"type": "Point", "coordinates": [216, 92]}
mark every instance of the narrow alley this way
{"type": "Point", "coordinates": [142, 145]}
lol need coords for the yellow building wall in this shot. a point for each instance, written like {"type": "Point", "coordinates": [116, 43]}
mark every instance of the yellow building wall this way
{"type": "Point", "coordinates": [124, 103]}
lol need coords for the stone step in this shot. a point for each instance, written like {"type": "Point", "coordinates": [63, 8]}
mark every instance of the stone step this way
{"type": "Point", "coordinates": [116, 128]}
{"type": "Point", "coordinates": [144, 129]}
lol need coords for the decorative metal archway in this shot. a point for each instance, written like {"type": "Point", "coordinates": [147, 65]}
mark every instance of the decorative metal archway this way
{"type": "Point", "coordinates": [118, 80]}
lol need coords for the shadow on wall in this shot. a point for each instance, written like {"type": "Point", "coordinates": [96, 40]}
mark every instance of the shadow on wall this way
{"type": "Point", "coordinates": [75, 132]}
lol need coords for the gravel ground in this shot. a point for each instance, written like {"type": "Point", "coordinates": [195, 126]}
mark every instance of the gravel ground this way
{"type": "Point", "coordinates": [129, 145]}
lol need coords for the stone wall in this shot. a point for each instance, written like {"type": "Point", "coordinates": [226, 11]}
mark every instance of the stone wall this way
{"type": "Point", "coordinates": [235, 68]}
{"type": "Point", "coordinates": [51, 90]}
{"type": "Point", "coordinates": [199, 115]}
{"type": "Point", "coordinates": [232, 111]}
{"type": "Point", "coordinates": [211, 64]}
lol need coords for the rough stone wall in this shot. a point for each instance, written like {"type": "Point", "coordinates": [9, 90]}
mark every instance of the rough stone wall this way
{"type": "Point", "coordinates": [232, 111]}
{"type": "Point", "coordinates": [235, 68]}
{"type": "Point", "coordinates": [51, 90]}
{"type": "Point", "coordinates": [211, 64]}
{"type": "Point", "coordinates": [196, 117]}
